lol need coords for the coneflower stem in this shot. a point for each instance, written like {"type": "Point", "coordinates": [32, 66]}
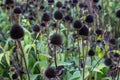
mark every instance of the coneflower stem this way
{"type": "Point", "coordinates": [11, 15]}
{"type": "Point", "coordinates": [57, 28]}
{"type": "Point", "coordinates": [91, 70]}
{"type": "Point", "coordinates": [20, 47]}
{"type": "Point", "coordinates": [87, 52]}
{"type": "Point", "coordinates": [91, 6]}
{"type": "Point", "coordinates": [47, 32]}
{"type": "Point", "coordinates": [79, 53]}
{"type": "Point", "coordinates": [55, 59]}
{"type": "Point", "coordinates": [51, 10]}
{"type": "Point", "coordinates": [83, 58]}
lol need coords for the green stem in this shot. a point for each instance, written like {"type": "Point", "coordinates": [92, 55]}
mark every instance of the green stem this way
{"type": "Point", "coordinates": [55, 59]}
{"type": "Point", "coordinates": [91, 70]}
{"type": "Point", "coordinates": [96, 64]}
{"type": "Point", "coordinates": [20, 47]}
{"type": "Point", "coordinates": [83, 58]}
{"type": "Point", "coordinates": [79, 53]}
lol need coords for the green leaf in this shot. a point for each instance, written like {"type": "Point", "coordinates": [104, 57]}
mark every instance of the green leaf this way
{"type": "Point", "coordinates": [36, 63]}
{"type": "Point", "coordinates": [75, 75]}
{"type": "Point", "coordinates": [7, 56]}
{"type": "Point", "coordinates": [62, 63]}
{"type": "Point", "coordinates": [34, 77]}
{"type": "Point", "coordinates": [1, 56]}
{"type": "Point", "coordinates": [97, 70]}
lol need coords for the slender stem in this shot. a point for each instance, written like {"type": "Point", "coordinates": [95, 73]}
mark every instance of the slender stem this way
{"type": "Point", "coordinates": [55, 59]}
{"type": "Point", "coordinates": [96, 64]}
{"type": "Point", "coordinates": [20, 46]}
{"type": "Point", "coordinates": [91, 70]}
{"type": "Point", "coordinates": [86, 52]}
{"type": "Point", "coordinates": [11, 15]}
{"type": "Point", "coordinates": [34, 42]}
{"type": "Point", "coordinates": [83, 58]}
{"type": "Point", "coordinates": [57, 28]}
{"type": "Point", "coordinates": [47, 32]}
{"type": "Point", "coordinates": [91, 6]}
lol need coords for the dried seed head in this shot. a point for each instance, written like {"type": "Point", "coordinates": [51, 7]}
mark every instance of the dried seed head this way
{"type": "Point", "coordinates": [41, 7]}
{"type": "Point", "coordinates": [84, 31]}
{"type": "Point", "coordinates": [89, 19]}
{"type": "Point", "coordinates": [74, 1]}
{"type": "Point", "coordinates": [56, 39]}
{"type": "Point", "coordinates": [95, 1]}
{"type": "Point", "coordinates": [112, 41]}
{"type": "Point", "coordinates": [116, 55]}
{"type": "Point", "coordinates": [59, 4]}
{"type": "Point", "coordinates": [58, 15]}
{"type": "Point", "coordinates": [99, 32]}
{"type": "Point", "coordinates": [17, 10]}
{"type": "Point", "coordinates": [9, 2]}
{"type": "Point", "coordinates": [50, 2]}
{"type": "Point", "coordinates": [42, 24]}
{"type": "Point", "coordinates": [36, 28]}
{"type": "Point", "coordinates": [118, 14]}
{"type": "Point", "coordinates": [14, 76]}
{"type": "Point", "coordinates": [77, 24]}
{"type": "Point", "coordinates": [68, 18]}
{"type": "Point", "coordinates": [108, 62]}
{"type": "Point", "coordinates": [91, 53]}
{"type": "Point", "coordinates": [50, 73]}
{"type": "Point", "coordinates": [16, 32]}
{"type": "Point", "coordinates": [46, 17]}
{"type": "Point", "coordinates": [99, 7]}
{"type": "Point", "coordinates": [82, 5]}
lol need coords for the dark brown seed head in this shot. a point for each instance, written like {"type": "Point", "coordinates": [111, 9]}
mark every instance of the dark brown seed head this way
{"type": "Point", "coordinates": [46, 17]}
{"type": "Point", "coordinates": [74, 1]}
{"type": "Point", "coordinates": [116, 55]}
{"type": "Point", "coordinates": [9, 2]}
{"type": "Point", "coordinates": [58, 15]}
{"type": "Point", "coordinates": [14, 76]}
{"type": "Point", "coordinates": [118, 14]}
{"type": "Point", "coordinates": [42, 24]}
{"type": "Point", "coordinates": [95, 1]}
{"type": "Point", "coordinates": [59, 4]}
{"type": "Point", "coordinates": [77, 24]}
{"type": "Point", "coordinates": [41, 7]}
{"type": "Point", "coordinates": [68, 18]}
{"type": "Point", "coordinates": [84, 31]}
{"type": "Point", "coordinates": [89, 19]}
{"type": "Point", "coordinates": [36, 28]}
{"type": "Point", "coordinates": [112, 41]}
{"type": "Point", "coordinates": [50, 2]}
{"type": "Point", "coordinates": [108, 62]}
{"type": "Point", "coordinates": [99, 32]}
{"type": "Point", "coordinates": [91, 53]}
{"type": "Point", "coordinates": [83, 5]}
{"type": "Point", "coordinates": [16, 32]}
{"type": "Point", "coordinates": [17, 10]}
{"type": "Point", "coordinates": [56, 39]}
{"type": "Point", "coordinates": [50, 73]}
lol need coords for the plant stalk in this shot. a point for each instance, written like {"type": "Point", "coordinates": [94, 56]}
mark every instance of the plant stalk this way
{"type": "Point", "coordinates": [20, 47]}
{"type": "Point", "coordinates": [83, 58]}
{"type": "Point", "coordinates": [55, 59]}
